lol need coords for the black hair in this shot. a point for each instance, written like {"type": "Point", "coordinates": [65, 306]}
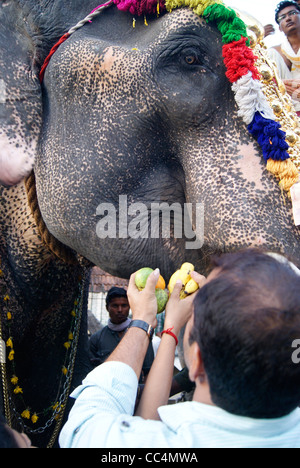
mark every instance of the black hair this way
{"type": "Point", "coordinates": [245, 322]}
{"type": "Point", "coordinates": [114, 293]}
{"type": "Point", "coordinates": [7, 439]}
{"type": "Point", "coordinates": [283, 5]}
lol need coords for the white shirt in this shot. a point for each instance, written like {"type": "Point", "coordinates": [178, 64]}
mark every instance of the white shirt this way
{"type": "Point", "coordinates": [284, 72]}
{"type": "Point", "coordinates": [102, 418]}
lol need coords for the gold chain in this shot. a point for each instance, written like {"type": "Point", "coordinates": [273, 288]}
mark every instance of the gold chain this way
{"type": "Point", "coordinates": [4, 377]}
{"type": "Point", "coordinates": [67, 386]}
{"type": "Point", "coordinates": [62, 412]}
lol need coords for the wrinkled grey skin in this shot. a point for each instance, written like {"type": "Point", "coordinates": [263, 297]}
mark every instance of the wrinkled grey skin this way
{"type": "Point", "coordinates": [146, 124]}
{"type": "Point", "coordinates": [122, 111]}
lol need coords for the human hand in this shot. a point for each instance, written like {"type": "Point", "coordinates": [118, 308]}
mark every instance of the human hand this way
{"type": "Point", "coordinates": [200, 279]}
{"type": "Point", "coordinates": [293, 88]}
{"type": "Point", "coordinates": [143, 303]}
{"type": "Point", "coordinates": [269, 29]}
{"type": "Point", "coordinates": [179, 311]}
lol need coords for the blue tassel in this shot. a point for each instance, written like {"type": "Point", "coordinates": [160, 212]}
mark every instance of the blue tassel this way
{"type": "Point", "coordinates": [269, 137]}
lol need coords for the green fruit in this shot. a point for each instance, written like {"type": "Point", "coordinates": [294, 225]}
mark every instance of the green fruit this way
{"type": "Point", "coordinates": [162, 298]}
{"type": "Point", "coordinates": [142, 276]}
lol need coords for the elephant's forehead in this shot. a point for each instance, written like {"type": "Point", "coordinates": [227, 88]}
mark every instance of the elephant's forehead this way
{"type": "Point", "coordinates": [98, 48]}
{"type": "Point", "coordinates": [117, 30]}
{"type": "Point", "coordinates": [182, 17]}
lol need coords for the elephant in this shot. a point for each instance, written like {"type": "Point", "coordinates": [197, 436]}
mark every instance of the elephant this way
{"type": "Point", "coordinates": [131, 113]}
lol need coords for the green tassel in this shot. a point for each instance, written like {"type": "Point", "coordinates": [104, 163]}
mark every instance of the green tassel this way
{"type": "Point", "coordinates": [230, 26]}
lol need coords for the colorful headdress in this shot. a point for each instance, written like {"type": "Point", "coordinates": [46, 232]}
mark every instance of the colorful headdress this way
{"type": "Point", "coordinates": [280, 149]}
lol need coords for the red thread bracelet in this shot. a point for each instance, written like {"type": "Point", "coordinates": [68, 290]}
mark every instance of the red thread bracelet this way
{"type": "Point", "coordinates": [169, 332]}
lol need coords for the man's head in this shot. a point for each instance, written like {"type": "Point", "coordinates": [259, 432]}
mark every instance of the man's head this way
{"type": "Point", "coordinates": [287, 15]}
{"type": "Point", "coordinates": [117, 305]}
{"type": "Point", "coordinates": [246, 318]}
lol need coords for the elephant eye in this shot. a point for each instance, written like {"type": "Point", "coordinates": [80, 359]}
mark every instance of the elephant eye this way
{"type": "Point", "coordinates": [190, 59]}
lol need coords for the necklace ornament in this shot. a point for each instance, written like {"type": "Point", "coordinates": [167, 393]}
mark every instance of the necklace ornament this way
{"type": "Point", "coordinates": [28, 418]}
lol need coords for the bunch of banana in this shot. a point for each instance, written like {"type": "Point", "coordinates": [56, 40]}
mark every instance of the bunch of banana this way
{"type": "Point", "coordinates": [189, 286]}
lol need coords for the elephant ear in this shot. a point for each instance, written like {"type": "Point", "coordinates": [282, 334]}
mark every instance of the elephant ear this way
{"type": "Point", "coordinates": [20, 96]}
{"type": "Point", "coordinates": [28, 30]}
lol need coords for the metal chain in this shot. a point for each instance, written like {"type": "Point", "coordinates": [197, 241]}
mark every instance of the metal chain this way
{"type": "Point", "coordinates": [58, 413]}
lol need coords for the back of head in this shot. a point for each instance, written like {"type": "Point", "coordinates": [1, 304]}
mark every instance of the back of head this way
{"type": "Point", "coordinates": [285, 4]}
{"type": "Point", "coordinates": [246, 320]}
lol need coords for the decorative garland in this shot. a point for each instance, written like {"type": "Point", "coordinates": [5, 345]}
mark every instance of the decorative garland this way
{"type": "Point", "coordinates": [241, 72]}
{"type": "Point", "coordinates": [55, 411]}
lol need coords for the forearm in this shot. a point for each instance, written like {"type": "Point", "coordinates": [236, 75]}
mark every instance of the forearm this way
{"type": "Point", "coordinates": [132, 350]}
{"type": "Point", "coordinates": [107, 393]}
{"type": "Point", "coordinates": [157, 389]}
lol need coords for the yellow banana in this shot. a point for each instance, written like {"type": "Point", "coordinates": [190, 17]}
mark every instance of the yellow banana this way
{"type": "Point", "coordinates": [182, 294]}
{"type": "Point", "coordinates": [187, 267]}
{"type": "Point", "coordinates": [181, 275]}
{"type": "Point", "coordinates": [191, 287]}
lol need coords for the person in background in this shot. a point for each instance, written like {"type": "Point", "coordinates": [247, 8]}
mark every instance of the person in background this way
{"type": "Point", "coordinates": [104, 341]}
{"type": "Point", "coordinates": [287, 55]}
{"type": "Point", "coordinates": [181, 383]}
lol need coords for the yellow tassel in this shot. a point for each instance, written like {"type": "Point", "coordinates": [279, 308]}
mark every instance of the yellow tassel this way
{"type": "Point", "coordinates": [158, 10]}
{"type": "Point", "coordinates": [133, 22]}
{"type": "Point", "coordinates": [199, 6]}
{"type": "Point", "coordinates": [286, 171]}
{"type": "Point", "coordinates": [145, 21]}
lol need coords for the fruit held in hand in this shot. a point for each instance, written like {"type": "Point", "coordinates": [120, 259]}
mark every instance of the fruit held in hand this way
{"type": "Point", "coordinates": [189, 286]}
{"type": "Point", "coordinates": [162, 296]}
{"type": "Point", "coordinates": [181, 275]}
{"type": "Point", "coordinates": [142, 276]}
{"type": "Point", "coordinates": [187, 267]}
{"type": "Point", "coordinates": [161, 284]}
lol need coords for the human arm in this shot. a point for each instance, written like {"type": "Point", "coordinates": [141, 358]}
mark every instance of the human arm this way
{"type": "Point", "coordinates": [133, 347]}
{"type": "Point", "coordinates": [158, 386]}
{"type": "Point", "coordinates": [268, 29]}
{"type": "Point", "coordinates": [107, 395]}
{"type": "Point", "coordinates": [94, 343]}
{"type": "Point", "coordinates": [282, 63]}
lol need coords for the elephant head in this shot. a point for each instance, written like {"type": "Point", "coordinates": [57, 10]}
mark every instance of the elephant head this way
{"type": "Point", "coordinates": [132, 122]}
{"type": "Point", "coordinates": [135, 111]}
